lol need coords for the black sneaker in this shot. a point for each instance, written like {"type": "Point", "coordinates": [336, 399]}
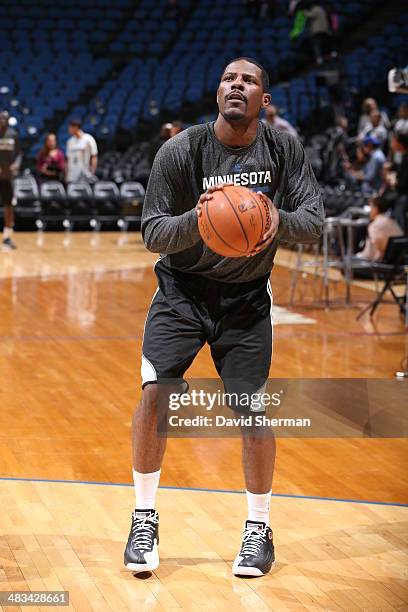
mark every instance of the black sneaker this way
{"type": "Point", "coordinates": [141, 553]}
{"type": "Point", "coordinates": [8, 244]}
{"type": "Point", "coordinates": [257, 554]}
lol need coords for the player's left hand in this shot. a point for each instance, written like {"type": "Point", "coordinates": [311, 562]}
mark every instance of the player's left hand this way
{"type": "Point", "coordinates": [269, 235]}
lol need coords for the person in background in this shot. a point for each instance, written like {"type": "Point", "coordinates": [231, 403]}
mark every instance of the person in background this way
{"type": "Point", "coordinates": [278, 123]}
{"type": "Point", "coordinates": [375, 128]}
{"type": "Point", "coordinates": [155, 145]}
{"type": "Point", "coordinates": [401, 125]}
{"type": "Point", "coordinates": [176, 128]}
{"type": "Point", "coordinates": [369, 104]}
{"type": "Point", "coordinates": [397, 178]}
{"type": "Point", "coordinates": [10, 160]}
{"type": "Point", "coordinates": [50, 160]}
{"type": "Point", "coordinates": [82, 154]}
{"type": "Point", "coordinates": [319, 29]}
{"type": "Point", "coordinates": [370, 176]}
{"type": "Point", "coordinates": [381, 228]}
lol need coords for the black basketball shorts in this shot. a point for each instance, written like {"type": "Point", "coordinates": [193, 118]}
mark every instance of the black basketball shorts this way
{"type": "Point", "coordinates": [6, 192]}
{"type": "Point", "coordinates": [189, 310]}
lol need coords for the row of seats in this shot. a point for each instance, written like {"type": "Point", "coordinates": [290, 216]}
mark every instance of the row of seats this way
{"type": "Point", "coordinates": [77, 203]}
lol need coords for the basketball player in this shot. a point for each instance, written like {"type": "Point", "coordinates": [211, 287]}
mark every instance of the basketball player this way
{"type": "Point", "coordinates": [10, 160]}
{"type": "Point", "coordinates": [203, 297]}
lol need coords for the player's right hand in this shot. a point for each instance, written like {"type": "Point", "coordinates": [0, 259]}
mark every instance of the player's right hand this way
{"type": "Point", "coordinates": [207, 195]}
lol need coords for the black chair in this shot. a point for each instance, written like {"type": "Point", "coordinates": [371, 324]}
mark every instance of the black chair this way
{"type": "Point", "coordinates": [393, 269]}
{"type": "Point", "coordinates": [107, 203]}
{"type": "Point", "coordinates": [28, 206]}
{"type": "Point", "coordinates": [80, 204]}
{"type": "Point", "coordinates": [132, 194]}
{"type": "Point", "coordinates": [53, 205]}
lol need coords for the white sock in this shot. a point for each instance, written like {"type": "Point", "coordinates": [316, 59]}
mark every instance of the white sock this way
{"type": "Point", "coordinates": [258, 506]}
{"type": "Point", "coordinates": [7, 232]}
{"type": "Point", "coordinates": [146, 486]}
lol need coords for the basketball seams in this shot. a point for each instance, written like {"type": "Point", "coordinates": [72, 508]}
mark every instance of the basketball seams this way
{"type": "Point", "coordinates": [217, 234]}
{"type": "Point", "coordinates": [238, 219]}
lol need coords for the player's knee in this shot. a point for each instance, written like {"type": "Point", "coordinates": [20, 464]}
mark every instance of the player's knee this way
{"type": "Point", "coordinates": [149, 397]}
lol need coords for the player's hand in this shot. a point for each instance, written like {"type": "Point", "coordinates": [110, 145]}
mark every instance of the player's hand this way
{"type": "Point", "coordinates": [207, 195]}
{"type": "Point", "coordinates": [269, 235]}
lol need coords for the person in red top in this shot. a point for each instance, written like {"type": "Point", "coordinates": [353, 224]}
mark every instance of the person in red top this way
{"type": "Point", "coordinates": [50, 160]}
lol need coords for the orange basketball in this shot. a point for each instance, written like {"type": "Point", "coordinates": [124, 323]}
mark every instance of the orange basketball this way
{"type": "Point", "coordinates": [234, 221]}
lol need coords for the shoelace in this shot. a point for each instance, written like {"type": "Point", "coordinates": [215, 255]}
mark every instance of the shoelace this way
{"type": "Point", "coordinates": [143, 530]}
{"type": "Point", "coordinates": [252, 542]}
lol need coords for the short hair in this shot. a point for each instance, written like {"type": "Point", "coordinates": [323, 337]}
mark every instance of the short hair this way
{"type": "Point", "coordinates": [76, 122]}
{"type": "Point", "coordinates": [385, 201]}
{"type": "Point", "coordinates": [402, 139]}
{"type": "Point", "coordinates": [264, 74]}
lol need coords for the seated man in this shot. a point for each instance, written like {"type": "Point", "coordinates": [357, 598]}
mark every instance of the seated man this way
{"type": "Point", "coordinates": [372, 160]}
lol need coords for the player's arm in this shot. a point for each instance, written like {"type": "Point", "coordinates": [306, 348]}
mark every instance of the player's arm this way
{"type": "Point", "coordinates": [301, 219]}
{"type": "Point", "coordinates": [162, 230]}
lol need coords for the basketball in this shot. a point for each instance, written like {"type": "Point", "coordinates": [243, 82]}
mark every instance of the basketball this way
{"type": "Point", "coordinates": [234, 221]}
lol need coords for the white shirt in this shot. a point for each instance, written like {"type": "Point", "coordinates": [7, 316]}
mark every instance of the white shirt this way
{"type": "Point", "coordinates": [380, 230]}
{"type": "Point", "coordinates": [79, 153]}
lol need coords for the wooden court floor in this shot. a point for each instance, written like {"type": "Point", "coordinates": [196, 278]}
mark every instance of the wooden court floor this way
{"type": "Point", "coordinates": [72, 312]}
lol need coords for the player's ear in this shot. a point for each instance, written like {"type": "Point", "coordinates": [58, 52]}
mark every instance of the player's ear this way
{"type": "Point", "coordinates": [266, 100]}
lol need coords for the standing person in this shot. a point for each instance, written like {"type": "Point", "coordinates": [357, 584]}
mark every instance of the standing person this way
{"type": "Point", "coordinates": [226, 302]}
{"type": "Point", "coordinates": [82, 154]}
{"type": "Point", "coordinates": [10, 160]}
{"type": "Point", "coordinates": [319, 29]}
{"type": "Point", "coordinates": [50, 160]}
{"type": "Point", "coordinates": [278, 123]}
{"type": "Point", "coordinates": [156, 143]}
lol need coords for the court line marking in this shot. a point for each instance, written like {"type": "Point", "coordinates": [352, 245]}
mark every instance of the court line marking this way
{"type": "Point", "coordinates": [203, 490]}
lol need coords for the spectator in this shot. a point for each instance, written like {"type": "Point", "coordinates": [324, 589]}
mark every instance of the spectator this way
{"type": "Point", "coordinates": [369, 104]}
{"type": "Point", "coordinates": [10, 160]}
{"type": "Point", "coordinates": [82, 154]}
{"type": "Point", "coordinates": [370, 176]}
{"type": "Point", "coordinates": [50, 160]}
{"type": "Point", "coordinates": [278, 123]}
{"type": "Point", "coordinates": [399, 180]}
{"type": "Point", "coordinates": [381, 228]}
{"type": "Point", "coordinates": [401, 126]}
{"type": "Point", "coordinates": [319, 29]}
{"type": "Point", "coordinates": [375, 128]}
{"type": "Point", "coordinates": [176, 128]}
{"type": "Point", "coordinates": [164, 134]}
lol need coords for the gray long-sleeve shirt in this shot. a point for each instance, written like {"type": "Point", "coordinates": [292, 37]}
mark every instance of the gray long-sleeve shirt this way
{"type": "Point", "coordinates": [189, 163]}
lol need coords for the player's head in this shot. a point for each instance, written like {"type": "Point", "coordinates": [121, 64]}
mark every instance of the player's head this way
{"type": "Point", "coordinates": [74, 127]}
{"type": "Point", "coordinates": [243, 90]}
{"type": "Point", "coordinates": [4, 119]}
